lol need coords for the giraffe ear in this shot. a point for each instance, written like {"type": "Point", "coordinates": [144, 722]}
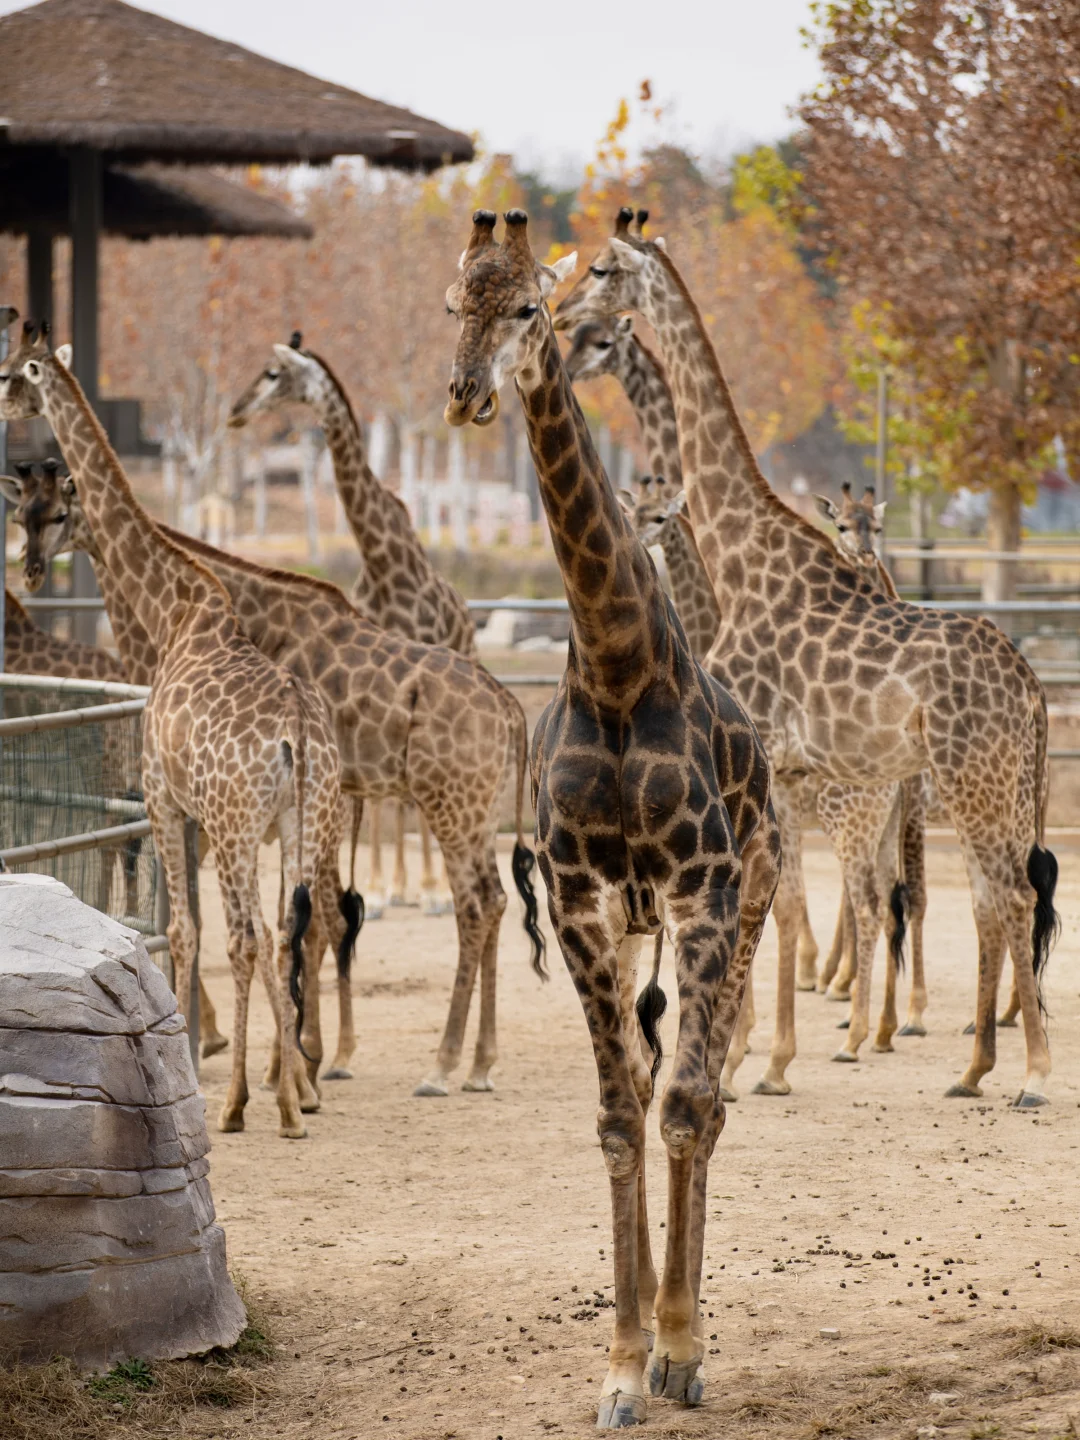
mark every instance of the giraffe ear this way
{"type": "Point", "coordinates": [627, 256]}
{"type": "Point", "coordinates": [624, 325]}
{"type": "Point", "coordinates": [660, 243]}
{"type": "Point", "coordinates": [552, 275]}
{"type": "Point", "coordinates": [626, 501]}
{"type": "Point", "coordinates": [64, 354]}
{"type": "Point", "coordinates": [677, 504]}
{"type": "Point", "coordinates": [67, 489]}
{"type": "Point", "coordinates": [879, 511]}
{"type": "Point", "coordinates": [826, 507]}
{"type": "Point", "coordinates": [291, 359]}
{"type": "Point", "coordinates": [11, 489]}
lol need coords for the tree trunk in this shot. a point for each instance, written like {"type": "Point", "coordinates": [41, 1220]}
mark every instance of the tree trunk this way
{"type": "Point", "coordinates": [1002, 533]}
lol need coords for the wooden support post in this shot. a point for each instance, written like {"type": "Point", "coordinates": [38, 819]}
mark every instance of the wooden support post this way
{"type": "Point", "coordinates": [85, 196]}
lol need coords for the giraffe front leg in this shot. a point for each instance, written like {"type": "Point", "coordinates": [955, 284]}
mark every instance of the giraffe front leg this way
{"type": "Point", "coordinates": [705, 931]}
{"type": "Point", "coordinates": [738, 1046]}
{"type": "Point", "coordinates": [839, 987]}
{"type": "Point", "coordinates": [471, 928]}
{"type": "Point", "coordinates": [211, 1040]}
{"type": "Point", "coordinates": [400, 883]}
{"type": "Point", "coordinates": [494, 904]}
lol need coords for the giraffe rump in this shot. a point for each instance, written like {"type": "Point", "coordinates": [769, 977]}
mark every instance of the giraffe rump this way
{"type": "Point", "coordinates": [301, 907]}
{"type": "Point", "coordinates": [900, 905]}
{"type": "Point", "coordinates": [521, 867]}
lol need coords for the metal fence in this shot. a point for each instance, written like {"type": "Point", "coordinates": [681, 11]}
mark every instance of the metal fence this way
{"type": "Point", "coordinates": [71, 800]}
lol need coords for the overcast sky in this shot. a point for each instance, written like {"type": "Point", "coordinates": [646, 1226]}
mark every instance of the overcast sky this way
{"type": "Point", "coordinates": [539, 80]}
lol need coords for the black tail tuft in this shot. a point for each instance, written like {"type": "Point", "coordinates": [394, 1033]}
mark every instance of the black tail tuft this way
{"type": "Point", "coordinates": [1042, 870]}
{"type": "Point", "coordinates": [301, 921]}
{"type": "Point", "coordinates": [651, 1007]}
{"type": "Point", "coordinates": [900, 905]}
{"type": "Point", "coordinates": [521, 866]}
{"type": "Point", "coordinates": [351, 906]}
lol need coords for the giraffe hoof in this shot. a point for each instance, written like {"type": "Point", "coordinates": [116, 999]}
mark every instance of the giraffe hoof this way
{"type": "Point", "coordinates": [845, 1057]}
{"type": "Point", "coordinates": [970, 1029]}
{"type": "Point", "coordinates": [478, 1084]}
{"type": "Point", "coordinates": [682, 1380]}
{"type": "Point", "coordinates": [883, 1047]}
{"type": "Point", "coordinates": [913, 1027]}
{"type": "Point", "coordinates": [771, 1087]}
{"type": "Point", "coordinates": [339, 1072]}
{"type": "Point", "coordinates": [373, 910]}
{"type": "Point", "coordinates": [397, 900]}
{"type": "Point", "coordinates": [310, 1105]}
{"type": "Point", "coordinates": [807, 985]}
{"type": "Point", "coordinates": [230, 1123]}
{"type": "Point", "coordinates": [292, 1132]}
{"type": "Point", "coordinates": [618, 1410]}
{"type": "Point", "coordinates": [842, 997]}
{"type": "Point", "coordinates": [1028, 1100]}
{"type": "Point", "coordinates": [844, 1024]}
{"type": "Point", "coordinates": [213, 1045]}
{"type": "Point", "coordinates": [437, 1088]}
{"type": "Point", "coordinates": [960, 1091]}
{"type": "Point", "coordinates": [1007, 1022]}
{"type": "Point", "coordinates": [728, 1096]}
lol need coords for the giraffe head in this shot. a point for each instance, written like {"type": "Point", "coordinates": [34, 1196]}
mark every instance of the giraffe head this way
{"type": "Point", "coordinates": [48, 509]}
{"type": "Point", "coordinates": [293, 377]}
{"type": "Point", "coordinates": [499, 301]}
{"type": "Point", "coordinates": [859, 524]}
{"type": "Point", "coordinates": [19, 400]}
{"type": "Point", "coordinates": [598, 347]}
{"type": "Point", "coordinates": [617, 280]}
{"type": "Point", "coordinates": [656, 504]}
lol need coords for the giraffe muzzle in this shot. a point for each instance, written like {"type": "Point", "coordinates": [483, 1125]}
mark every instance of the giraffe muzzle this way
{"type": "Point", "coordinates": [465, 406]}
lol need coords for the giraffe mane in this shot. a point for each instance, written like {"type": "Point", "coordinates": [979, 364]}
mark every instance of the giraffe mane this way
{"type": "Point", "coordinates": [116, 470]}
{"type": "Point", "coordinates": [770, 496]}
{"type": "Point", "coordinates": [338, 386]}
{"type": "Point", "coordinates": [13, 603]}
{"type": "Point", "coordinates": [326, 588]}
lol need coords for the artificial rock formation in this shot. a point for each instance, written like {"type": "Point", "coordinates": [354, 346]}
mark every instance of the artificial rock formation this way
{"type": "Point", "coordinates": [108, 1247]}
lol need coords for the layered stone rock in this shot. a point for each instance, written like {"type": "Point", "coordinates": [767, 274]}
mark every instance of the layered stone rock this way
{"type": "Point", "coordinates": [108, 1246]}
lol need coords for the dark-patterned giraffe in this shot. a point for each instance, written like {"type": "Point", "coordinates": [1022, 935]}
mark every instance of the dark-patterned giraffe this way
{"type": "Point", "coordinates": [412, 722]}
{"type": "Point", "coordinates": [229, 738]}
{"type": "Point", "coordinates": [398, 587]}
{"type": "Point", "coordinates": [652, 810]}
{"type": "Point", "coordinates": [845, 681]}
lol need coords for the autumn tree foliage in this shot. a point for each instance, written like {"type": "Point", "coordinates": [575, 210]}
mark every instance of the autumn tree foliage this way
{"type": "Point", "coordinates": [943, 159]}
{"type": "Point", "coordinates": [739, 253]}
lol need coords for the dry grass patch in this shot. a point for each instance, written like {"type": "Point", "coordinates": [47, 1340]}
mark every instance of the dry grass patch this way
{"type": "Point", "coordinates": [1040, 1338]}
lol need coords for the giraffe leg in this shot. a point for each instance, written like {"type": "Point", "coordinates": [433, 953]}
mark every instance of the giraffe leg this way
{"type": "Point", "coordinates": [807, 953]}
{"type": "Point", "coordinates": [844, 978]}
{"type": "Point", "coordinates": [592, 959]}
{"type": "Point", "coordinates": [738, 1046]}
{"type": "Point", "coordinates": [690, 1118]}
{"type": "Point", "coordinates": [761, 870]}
{"type": "Point", "coordinates": [836, 951]}
{"type": "Point", "coordinates": [311, 1041]}
{"type": "Point", "coordinates": [211, 1040]}
{"type": "Point", "coordinates": [343, 928]}
{"type": "Point", "coordinates": [914, 845]}
{"type": "Point", "coordinates": [431, 903]}
{"type": "Point", "coordinates": [243, 944]}
{"type": "Point", "coordinates": [400, 883]}
{"type": "Point", "coordinates": [787, 908]}
{"type": "Point", "coordinates": [991, 959]}
{"type": "Point", "coordinates": [375, 892]}
{"type": "Point", "coordinates": [168, 831]}
{"type": "Point", "coordinates": [639, 1057]}
{"type": "Point", "coordinates": [1008, 1019]}
{"type": "Point", "coordinates": [864, 831]}
{"type": "Point", "coordinates": [493, 901]}
{"type": "Point", "coordinates": [472, 926]}
{"type": "Point", "coordinates": [887, 1022]}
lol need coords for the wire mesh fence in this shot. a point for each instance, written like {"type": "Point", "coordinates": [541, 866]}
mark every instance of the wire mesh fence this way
{"type": "Point", "coordinates": [61, 782]}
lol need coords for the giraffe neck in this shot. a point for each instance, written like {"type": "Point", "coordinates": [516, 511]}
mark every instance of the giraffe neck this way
{"type": "Point", "coordinates": [30, 651]}
{"type": "Point", "coordinates": [640, 375]}
{"type": "Point", "coordinates": [163, 587]}
{"type": "Point", "coordinates": [748, 538]}
{"type": "Point", "coordinates": [691, 589]}
{"type": "Point", "coordinates": [137, 650]}
{"type": "Point", "coordinates": [619, 632]}
{"type": "Point", "coordinates": [378, 520]}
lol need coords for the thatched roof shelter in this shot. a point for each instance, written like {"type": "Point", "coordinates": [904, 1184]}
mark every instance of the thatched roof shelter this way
{"type": "Point", "coordinates": [92, 88]}
{"type": "Point", "coordinates": [105, 75]}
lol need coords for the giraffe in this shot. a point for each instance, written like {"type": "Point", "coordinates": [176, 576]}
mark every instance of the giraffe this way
{"type": "Point", "coordinates": [859, 526]}
{"type": "Point", "coordinates": [412, 721]}
{"type": "Point", "coordinates": [398, 587]}
{"type": "Point", "coordinates": [846, 682]}
{"type": "Point", "coordinates": [855, 827]}
{"type": "Point", "coordinates": [45, 503]}
{"type": "Point", "coordinates": [229, 737]}
{"type": "Point", "coordinates": [652, 811]}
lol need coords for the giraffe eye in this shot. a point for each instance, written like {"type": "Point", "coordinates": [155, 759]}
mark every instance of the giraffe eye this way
{"type": "Point", "coordinates": [604, 344]}
{"type": "Point", "coordinates": [526, 312]}
{"type": "Point", "coordinates": [598, 271]}
{"type": "Point", "coordinates": [272, 374]}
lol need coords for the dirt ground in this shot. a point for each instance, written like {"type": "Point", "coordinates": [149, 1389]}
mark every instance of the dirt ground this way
{"type": "Point", "coordinates": [441, 1268]}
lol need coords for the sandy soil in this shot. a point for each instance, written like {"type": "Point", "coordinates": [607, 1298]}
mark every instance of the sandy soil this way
{"type": "Point", "coordinates": [441, 1268]}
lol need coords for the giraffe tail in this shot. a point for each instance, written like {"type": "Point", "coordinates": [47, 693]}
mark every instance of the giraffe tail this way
{"type": "Point", "coordinates": [651, 1007]}
{"type": "Point", "coordinates": [297, 726]}
{"type": "Point", "coordinates": [1042, 865]}
{"type": "Point", "coordinates": [521, 866]}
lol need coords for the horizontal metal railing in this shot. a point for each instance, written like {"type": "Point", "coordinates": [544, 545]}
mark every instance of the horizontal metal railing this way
{"type": "Point", "coordinates": [117, 689]}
